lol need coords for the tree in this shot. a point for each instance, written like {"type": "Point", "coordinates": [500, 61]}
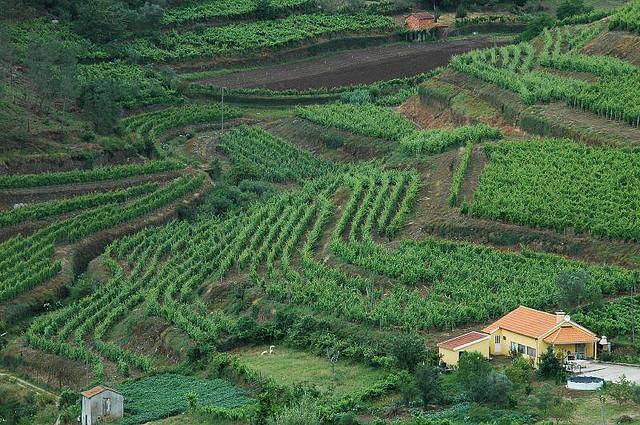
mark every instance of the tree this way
{"type": "Point", "coordinates": [408, 350]}
{"type": "Point", "coordinates": [574, 289]}
{"type": "Point", "coordinates": [569, 8]}
{"type": "Point", "coordinates": [407, 385]}
{"type": "Point", "coordinates": [536, 26]}
{"type": "Point", "coordinates": [100, 103]}
{"type": "Point", "coordinates": [520, 372]}
{"type": "Point", "coordinates": [103, 20]}
{"type": "Point", "coordinates": [427, 378]}
{"type": "Point", "coordinates": [52, 68]}
{"type": "Point", "coordinates": [550, 365]}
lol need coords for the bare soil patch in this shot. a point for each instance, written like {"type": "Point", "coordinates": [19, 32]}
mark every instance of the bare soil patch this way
{"type": "Point", "coordinates": [352, 67]}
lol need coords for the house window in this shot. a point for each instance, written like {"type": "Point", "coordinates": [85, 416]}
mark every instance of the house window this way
{"type": "Point", "coordinates": [106, 406]}
{"type": "Point", "coordinates": [531, 352]}
{"type": "Point", "coordinates": [522, 348]}
{"type": "Point", "coordinates": [514, 347]}
{"type": "Point", "coordinates": [496, 339]}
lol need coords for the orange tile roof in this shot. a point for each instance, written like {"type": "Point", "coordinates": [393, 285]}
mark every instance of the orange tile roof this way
{"type": "Point", "coordinates": [569, 335]}
{"type": "Point", "coordinates": [97, 390]}
{"type": "Point", "coordinates": [468, 338]}
{"type": "Point", "coordinates": [525, 321]}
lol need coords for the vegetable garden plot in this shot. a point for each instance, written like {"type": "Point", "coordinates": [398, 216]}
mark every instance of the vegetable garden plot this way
{"type": "Point", "coordinates": [560, 184]}
{"type": "Point", "coordinates": [160, 396]}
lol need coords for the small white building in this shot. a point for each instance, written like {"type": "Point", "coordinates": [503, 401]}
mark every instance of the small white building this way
{"type": "Point", "coordinates": [101, 404]}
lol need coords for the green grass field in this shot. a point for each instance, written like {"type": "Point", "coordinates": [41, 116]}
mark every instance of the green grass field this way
{"type": "Point", "coordinates": [290, 367]}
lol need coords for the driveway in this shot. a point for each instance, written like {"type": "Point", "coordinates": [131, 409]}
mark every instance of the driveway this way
{"type": "Point", "coordinates": [611, 372]}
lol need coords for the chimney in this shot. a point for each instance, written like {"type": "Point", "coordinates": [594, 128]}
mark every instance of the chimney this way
{"type": "Point", "coordinates": [560, 316]}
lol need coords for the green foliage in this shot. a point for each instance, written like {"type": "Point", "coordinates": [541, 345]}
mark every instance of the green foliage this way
{"type": "Point", "coordinates": [247, 147]}
{"type": "Point", "coordinates": [549, 365]}
{"type": "Point", "coordinates": [610, 96]}
{"type": "Point", "coordinates": [520, 372]}
{"type": "Point", "coordinates": [52, 69]}
{"type": "Point", "coordinates": [461, 12]}
{"type": "Point", "coordinates": [458, 176]}
{"type": "Point", "coordinates": [135, 85]}
{"type": "Point", "coordinates": [575, 290]}
{"type": "Point", "coordinates": [357, 97]}
{"type": "Point", "coordinates": [303, 413]}
{"type": "Point", "coordinates": [232, 39]}
{"type": "Point", "coordinates": [438, 140]}
{"type": "Point", "coordinates": [145, 403]}
{"type": "Point", "coordinates": [613, 318]}
{"type": "Point", "coordinates": [627, 18]}
{"type": "Point", "coordinates": [407, 386]}
{"type": "Point", "coordinates": [536, 26]}
{"type": "Point", "coordinates": [409, 350]}
{"type": "Point", "coordinates": [50, 208]}
{"type": "Point", "coordinates": [569, 8]}
{"type": "Point", "coordinates": [368, 120]}
{"type": "Point", "coordinates": [100, 101]}
{"type": "Point", "coordinates": [427, 378]}
{"type": "Point", "coordinates": [621, 390]}
{"type": "Point", "coordinates": [226, 9]}
{"type": "Point", "coordinates": [558, 177]}
{"type": "Point", "coordinates": [333, 140]}
{"type": "Point", "coordinates": [82, 176]}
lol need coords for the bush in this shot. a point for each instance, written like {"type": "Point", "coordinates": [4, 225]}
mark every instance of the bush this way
{"type": "Point", "coordinates": [408, 388]}
{"type": "Point", "coordinates": [571, 8]}
{"type": "Point", "coordinates": [550, 365]}
{"type": "Point", "coordinates": [333, 140]}
{"type": "Point", "coordinates": [520, 373]}
{"type": "Point", "coordinates": [304, 413]}
{"type": "Point", "coordinates": [536, 26]}
{"type": "Point", "coordinates": [408, 350]}
{"type": "Point", "coordinates": [356, 97]}
{"type": "Point", "coordinates": [428, 383]}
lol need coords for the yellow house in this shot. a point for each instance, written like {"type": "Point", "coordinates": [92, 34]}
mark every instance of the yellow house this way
{"type": "Point", "coordinates": [529, 332]}
{"type": "Point", "coordinates": [451, 349]}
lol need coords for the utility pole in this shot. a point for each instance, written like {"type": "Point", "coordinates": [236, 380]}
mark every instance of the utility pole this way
{"type": "Point", "coordinates": [222, 108]}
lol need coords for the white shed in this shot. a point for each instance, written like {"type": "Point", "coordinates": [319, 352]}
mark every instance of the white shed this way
{"type": "Point", "coordinates": [101, 404]}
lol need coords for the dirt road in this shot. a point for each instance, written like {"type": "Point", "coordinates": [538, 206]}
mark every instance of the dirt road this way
{"type": "Point", "coordinates": [352, 67]}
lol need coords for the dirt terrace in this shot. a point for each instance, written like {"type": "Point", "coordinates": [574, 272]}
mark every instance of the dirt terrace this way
{"type": "Point", "coordinates": [362, 66]}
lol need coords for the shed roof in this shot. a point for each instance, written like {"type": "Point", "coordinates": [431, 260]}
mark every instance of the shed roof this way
{"type": "Point", "coordinates": [422, 16]}
{"type": "Point", "coordinates": [97, 390]}
{"type": "Point", "coordinates": [525, 321]}
{"type": "Point", "coordinates": [463, 340]}
{"type": "Point", "coordinates": [569, 334]}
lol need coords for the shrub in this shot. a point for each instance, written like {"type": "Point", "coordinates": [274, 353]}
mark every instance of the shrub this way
{"type": "Point", "coordinates": [408, 350]}
{"type": "Point", "coordinates": [356, 97]}
{"type": "Point", "coordinates": [571, 8]}
{"type": "Point", "coordinates": [428, 383]}
{"type": "Point", "coordinates": [519, 373]}
{"type": "Point", "coordinates": [461, 11]}
{"type": "Point", "coordinates": [550, 365]}
{"type": "Point", "coordinates": [333, 140]}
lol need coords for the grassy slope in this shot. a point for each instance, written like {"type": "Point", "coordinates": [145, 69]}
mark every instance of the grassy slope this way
{"type": "Point", "coordinates": [288, 366]}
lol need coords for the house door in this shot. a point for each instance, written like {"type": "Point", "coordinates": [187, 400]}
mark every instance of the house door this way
{"type": "Point", "coordinates": [581, 351]}
{"type": "Point", "coordinates": [497, 343]}
{"type": "Point", "coordinates": [106, 406]}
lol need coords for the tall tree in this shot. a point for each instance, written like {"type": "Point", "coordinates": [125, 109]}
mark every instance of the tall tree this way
{"type": "Point", "coordinates": [52, 69]}
{"type": "Point", "coordinates": [100, 103]}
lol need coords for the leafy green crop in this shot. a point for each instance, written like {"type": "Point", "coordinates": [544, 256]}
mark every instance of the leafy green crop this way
{"type": "Point", "coordinates": [160, 396]}
{"type": "Point", "coordinates": [560, 184]}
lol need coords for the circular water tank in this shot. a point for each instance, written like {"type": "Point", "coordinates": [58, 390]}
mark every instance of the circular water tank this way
{"type": "Point", "coordinates": [585, 383]}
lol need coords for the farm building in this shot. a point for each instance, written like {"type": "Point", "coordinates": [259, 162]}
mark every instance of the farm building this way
{"type": "Point", "coordinates": [420, 21]}
{"type": "Point", "coordinates": [101, 404]}
{"type": "Point", "coordinates": [528, 332]}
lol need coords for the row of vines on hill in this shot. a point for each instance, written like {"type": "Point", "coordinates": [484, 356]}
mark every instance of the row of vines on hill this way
{"type": "Point", "coordinates": [29, 261]}
{"type": "Point", "coordinates": [613, 95]}
{"type": "Point", "coordinates": [251, 37]}
{"type": "Point", "coordinates": [430, 284]}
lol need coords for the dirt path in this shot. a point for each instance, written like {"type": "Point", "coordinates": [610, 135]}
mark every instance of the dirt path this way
{"type": "Point", "coordinates": [352, 67]}
{"type": "Point", "coordinates": [28, 385]}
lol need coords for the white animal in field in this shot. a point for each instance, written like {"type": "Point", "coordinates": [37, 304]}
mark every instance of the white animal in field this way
{"type": "Point", "coordinates": [272, 349]}
{"type": "Point", "coordinates": [264, 353]}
